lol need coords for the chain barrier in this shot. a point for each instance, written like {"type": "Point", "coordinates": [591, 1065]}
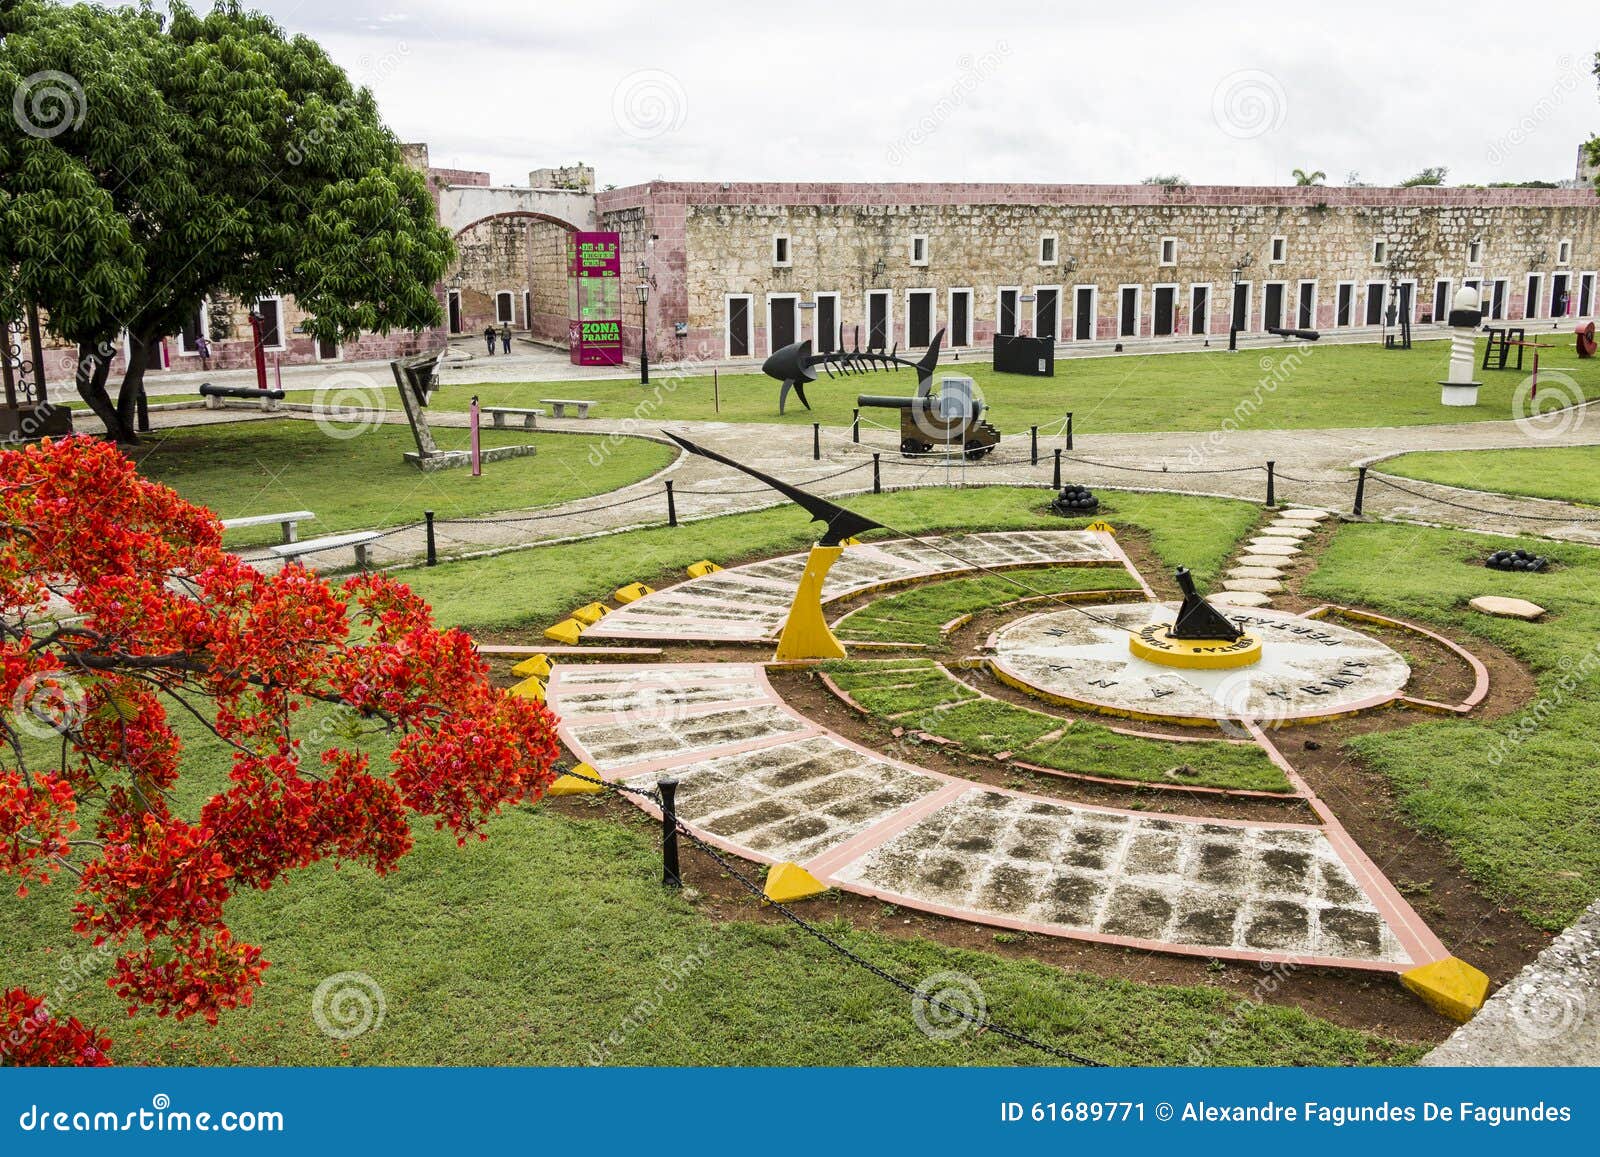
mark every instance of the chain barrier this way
{"type": "Point", "coordinates": [1373, 476]}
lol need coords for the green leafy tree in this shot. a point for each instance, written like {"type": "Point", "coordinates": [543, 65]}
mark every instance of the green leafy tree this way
{"type": "Point", "coordinates": [155, 161]}
{"type": "Point", "coordinates": [1591, 147]}
{"type": "Point", "coordinates": [1316, 177]}
{"type": "Point", "coordinates": [1170, 180]}
{"type": "Point", "coordinates": [1430, 176]}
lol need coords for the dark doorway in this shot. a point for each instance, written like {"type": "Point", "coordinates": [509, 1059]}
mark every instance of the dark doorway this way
{"type": "Point", "coordinates": [327, 349]}
{"type": "Point", "coordinates": [1045, 313]}
{"type": "Point", "coordinates": [1129, 314]}
{"type": "Point", "coordinates": [1375, 302]}
{"type": "Point", "coordinates": [1162, 324]}
{"type": "Point", "coordinates": [1272, 307]}
{"type": "Point", "coordinates": [919, 318]}
{"type": "Point", "coordinates": [1199, 308]}
{"type": "Point", "coordinates": [1530, 300]}
{"type": "Point", "coordinates": [527, 309]}
{"type": "Point", "coordinates": [1441, 301]}
{"type": "Point", "coordinates": [738, 327]}
{"type": "Point", "coordinates": [454, 300]}
{"type": "Point", "coordinates": [961, 318]}
{"type": "Point", "coordinates": [1586, 295]}
{"type": "Point", "coordinates": [1497, 297]}
{"type": "Point", "coordinates": [827, 324]}
{"type": "Point", "coordinates": [271, 311]}
{"type": "Point", "coordinates": [1083, 325]}
{"type": "Point", "coordinates": [784, 322]}
{"type": "Point", "coordinates": [1241, 307]}
{"type": "Point", "coordinates": [1007, 321]}
{"type": "Point", "coordinates": [1345, 306]}
{"type": "Point", "coordinates": [1558, 295]}
{"type": "Point", "coordinates": [878, 320]}
{"type": "Point", "coordinates": [1403, 294]}
{"type": "Point", "coordinates": [1305, 306]}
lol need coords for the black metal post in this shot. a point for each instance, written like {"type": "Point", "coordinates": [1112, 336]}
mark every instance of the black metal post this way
{"type": "Point", "coordinates": [1069, 429]}
{"type": "Point", "coordinates": [855, 426]}
{"type": "Point", "coordinates": [671, 876]}
{"type": "Point", "coordinates": [41, 393]}
{"type": "Point", "coordinates": [1272, 493]}
{"type": "Point", "coordinates": [672, 506]}
{"type": "Point", "coordinates": [1233, 338]}
{"type": "Point", "coordinates": [1033, 444]}
{"type": "Point", "coordinates": [1361, 487]}
{"type": "Point", "coordinates": [143, 410]}
{"type": "Point", "coordinates": [1057, 482]}
{"type": "Point", "coordinates": [816, 441]}
{"type": "Point", "coordinates": [433, 550]}
{"type": "Point", "coordinates": [644, 343]}
{"type": "Point", "coordinates": [877, 478]}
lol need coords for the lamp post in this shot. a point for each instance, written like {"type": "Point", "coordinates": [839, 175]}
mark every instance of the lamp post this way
{"type": "Point", "coordinates": [1233, 313]}
{"type": "Point", "coordinates": [643, 290]}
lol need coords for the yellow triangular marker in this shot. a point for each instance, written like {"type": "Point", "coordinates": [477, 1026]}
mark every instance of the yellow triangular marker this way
{"type": "Point", "coordinates": [529, 688]}
{"type": "Point", "coordinates": [591, 613]}
{"type": "Point", "coordinates": [538, 666]}
{"type": "Point", "coordinates": [572, 785]}
{"type": "Point", "coordinates": [789, 882]}
{"type": "Point", "coordinates": [566, 631]}
{"type": "Point", "coordinates": [1450, 987]}
{"type": "Point", "coordinates": [702, 568]}
{"type": "Point", "coordinates": [1103, 527]}
{"type": "Point", "coordinates": [852, 541]}
{"type": "Point", "coordinates": [631, 593]}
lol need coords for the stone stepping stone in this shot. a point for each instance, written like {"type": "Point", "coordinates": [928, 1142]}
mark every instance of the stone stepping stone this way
{"type": "Point", "coordinates": [1272, 560]}
{"type": "Point", "coordinates": [1255, 572]}
{"type": "Point", "coordinates": [1305, 512]}
{"type": "Point", "coordinates": [1278, 530]}
{"type": "Point", "coordinates": [1507, 608]}
{"type": "Point", "coordinates": [1239, 599]}
{"type": "Point", "coordinates": [1259, 586]}
{"type": "Point", "coordinates": [1278, 546]}
{"type": "Point", "coordinates": [1297, 524]}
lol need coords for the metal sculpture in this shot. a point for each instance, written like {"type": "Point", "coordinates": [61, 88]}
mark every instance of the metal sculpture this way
{"type": "Point", "coordinates": [796, 366]}
{"type": "Point", "coordinates": [805, 632]}
{"type": "Point", "coordinates": [1198, 619]}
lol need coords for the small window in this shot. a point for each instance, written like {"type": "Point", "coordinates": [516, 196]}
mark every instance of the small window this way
{"type": "Point", "coordinates": [1280, 246]}
{"type": "Point", "coordinates": [504, 309]}
{"type": "Point", "coordinates": [1475, 253]}
{"type": "Point", "coordinates": [919, 250]}
{"type": "Point", "coordinates": [1169, 251]}
{"type": "Point", "coordinates": [1564, 253]}
{"type": "Point", "coordinates": [1380, 252]}
{"type": "Point", "coordinates": [1047, 249]}
{"type": "Point", "coordinates": [780, 250]}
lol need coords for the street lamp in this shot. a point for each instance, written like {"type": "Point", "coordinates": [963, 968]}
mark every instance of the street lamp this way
{"type": "Point", "coordinates": [643, 290]}
{"type": "Point", "coordinates": [1233, 312]}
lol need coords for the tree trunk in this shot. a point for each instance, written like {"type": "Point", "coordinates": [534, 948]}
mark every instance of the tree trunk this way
{"type": "Point", "coordinates": [133, 377]}
{"type": "Point", "coordinates": [94, 365]}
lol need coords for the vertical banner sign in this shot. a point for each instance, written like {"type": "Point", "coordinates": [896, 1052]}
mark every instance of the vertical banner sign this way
{"type": "Point", "coordinates": [594, 298]}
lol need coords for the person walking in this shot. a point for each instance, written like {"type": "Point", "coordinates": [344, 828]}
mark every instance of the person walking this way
{"type": "Point", "coordinates": [505, 336]}
{"type": "Point", "coordinates": [203, 348]}
{"type": "Point", "coordinates": [488, 338]}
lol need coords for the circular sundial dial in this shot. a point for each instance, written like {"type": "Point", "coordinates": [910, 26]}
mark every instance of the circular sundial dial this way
{"type": "Point", "coordinates": [1308, 669]}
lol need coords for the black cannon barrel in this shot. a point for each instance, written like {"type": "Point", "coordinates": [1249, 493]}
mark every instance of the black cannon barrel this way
{"type": "Point", "coordinates": [889, 402]}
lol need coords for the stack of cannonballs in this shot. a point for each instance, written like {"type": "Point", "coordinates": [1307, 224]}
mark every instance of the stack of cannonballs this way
{"type": "Point", "coordinates": [1518, 559]}
{"type": "Point", "coordinates": [1074, 500]}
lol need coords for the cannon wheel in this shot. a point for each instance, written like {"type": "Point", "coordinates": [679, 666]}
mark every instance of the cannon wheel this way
{"type": "Point", "coordinates": [975, 450]}
{"type": "Point", "coordinates": [910, 446]}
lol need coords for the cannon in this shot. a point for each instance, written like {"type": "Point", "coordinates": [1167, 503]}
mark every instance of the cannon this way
{"type": "Point", "coordinates": [951, 417]}
{"type": "Point", "coordinates": [1298, 334]}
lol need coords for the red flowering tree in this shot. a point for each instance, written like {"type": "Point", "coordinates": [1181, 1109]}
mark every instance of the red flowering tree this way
{"type": "Point", "coordinates": [120, 613]}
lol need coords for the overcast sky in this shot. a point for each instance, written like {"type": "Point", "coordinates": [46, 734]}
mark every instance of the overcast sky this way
{"type": "Point", "coordinates": [991, 91]}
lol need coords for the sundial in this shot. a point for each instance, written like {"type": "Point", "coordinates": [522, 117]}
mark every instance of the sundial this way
{"type": "Point", "coordinates": [1304, 669]}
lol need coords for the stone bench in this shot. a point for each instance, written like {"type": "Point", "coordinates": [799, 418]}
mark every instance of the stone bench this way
{"type": "Point", "coordinates": [559, 405]}
{"type": "Point", "coordinates": [530, 418]}
{"type": "Point", "coordinates": [358, 540]}
{"type": "Point", "coordinates": [289, 520]}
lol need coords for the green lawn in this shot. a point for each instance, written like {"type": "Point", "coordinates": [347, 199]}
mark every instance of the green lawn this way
{"type": "Point", "coordinates": [533, 588]}
{"type": "Point", "coordinates": [1522, 813]}
{"type": "Point", "coordinates": [534, 947]}
{"type": "Point", "coordinates": [361, 482]}
{"type": "Point", "coordinates": [1276, 387]}
{"type": "Point", "coordinates": [1566, 472]}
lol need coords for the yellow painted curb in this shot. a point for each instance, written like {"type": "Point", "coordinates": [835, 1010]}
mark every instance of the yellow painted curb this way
{"type": "Point", "coordinates": [631, 593]}
{"type": "Point", "coordinates": [538, 665]}
{"type": "Point", "coordinates": [567, 631]}
{"type": "Point", "coordinates": [571, 785]}
{"type": "Point", "coordinates": [1102, 527]}
{"type": "Point", "coordinates": [591, 613]}
{"type": "Point", "coordinates": [789, 882]}
{"type": "Point", "coordinates": [529, 688]}
{"type": "Point", "coordinates": [1451, 987]}
{"type": "Point", "coordinates": [702, 568]}
{"type": "Point", "coordinates": [1156, 644]}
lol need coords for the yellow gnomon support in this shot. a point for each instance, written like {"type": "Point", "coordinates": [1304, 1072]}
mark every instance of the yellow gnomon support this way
{"type": "Point", "coordinates": [1451, 987]}
{"type": "Point", "coordinates": [702, 568]}
{"type": "Point", "coordinates": [631, 593]}
{"type": "Point", "coordinates": [571, 785]}
{"type": "Point", "coordinates": [567, 631]}
{"type": "Point", "coordinates": [1156, 644]}
{"type": "Point", "coordinates": [805, 632]}
{"type": "Point", "coordinates": [529, 688]}
{"type": "Point", "coordinates": [591, 613]}
{"type": "Point", "coordinates": [789, 882]}
{"type": "Point", "coordinates": [537, 666]}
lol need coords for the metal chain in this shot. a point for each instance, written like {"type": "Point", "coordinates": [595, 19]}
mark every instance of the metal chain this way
{"type": "Point", "coordinates": [1376, 477]}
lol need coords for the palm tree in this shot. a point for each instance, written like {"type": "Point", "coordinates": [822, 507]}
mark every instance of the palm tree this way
{"type": "Point", "coordinates": [1301, 177]}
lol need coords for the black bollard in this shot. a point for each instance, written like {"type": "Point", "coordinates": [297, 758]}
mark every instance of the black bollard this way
{"type": "Point", "coordinates": [1057, 482]}
{"type": "Point", "coordinates": [671, 876]}
{"type": "Point", "coordinates": [433, 552]}
{"type": "Point", "coordinates": [816, 441]}
{"type": "Point", "coordinates": [1033, 444]}
{"type": "Point", "coordinates": [855, 426]}
{"type": "Point", "coordinates": [1361, 487]}
{"type": "Point", "coordinates": [1069, 429]}
{"type": "Point", "coordinates": [877, 478]}
{"type": "Point", "coordinates": [672, 506]}
{"type": "Point", "coordinates": [1272, 499]}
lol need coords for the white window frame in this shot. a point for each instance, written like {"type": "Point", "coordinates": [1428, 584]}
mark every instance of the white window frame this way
{"type": "Point", "coordinates": [512, 320]}
{"type": "Point", "coordinates": [1283, 301]}
{"type": "Point", "coordinates": [787, 261]}
{"type": "Point", "coordinates": [1278, 251]}
{"type": "Point", "coordinates": [1564, 251]}
{"type": "Point", "coordinates": [888, 316]}
{"type": "Point", "coordinates": [1249, 304]}
{"type": "Point", "coordinates": [1356, 316]}
{"type": "Point", "coordinates": [799, 321]}
{"type": "Point", "coordinates": [1503, 286]}
{"type": "Point", "coordinates": [1176, 303]}
{"type": "Point", "coordinates": [1366, 301]}
{"type": "Point", "coordinates": [1475, 252]}
{"type": "Point", "coordinates": [316, 350]}
{"type": "Point", "coordinates": [999, 292]}
{"type": "Point", "coordinates": [1400, 284]}
{"type": "Point", "coordinates": [838, 320]}
{"type": "Point", "coordinates": [1593, 278]}
{"type": "Point", "coordinates": [283, 329]}
{"type": "Point", "coordinates": [1211, 307]}
{"type": "Point", "coordinates": [1316, 300]}
{"type": "Point", "coordinates": [912, 253]}
{"type": "Point", "coordinates": [1449, 300]}
{"type": "Point", "coordinates": [461, 313]}
{"type": "Point", "coordinates": [1138, 309]}
{"type": "Point", "coordinates": [1094, 312]}
{"type": "Point", "coordinates": [1537, 280]}
{"type": "Point", "coordinates": [950, 313]}
{"type": "Point", "coordinates": [749, 300]}
{"type": "Point", "coordinates": [1380, 251]}
{"type": "Point", "coordinates": [1034, 326]}
{"type": "Point", "coordinates": [933, 312]}
{"type": "Point", "coordinates": [1055, 248]}
{"type": "Point", "coordinates": [1161, 252]}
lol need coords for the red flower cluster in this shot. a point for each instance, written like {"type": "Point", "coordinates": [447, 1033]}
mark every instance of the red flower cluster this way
{"type": "Point", "coordinates": [119, 605]}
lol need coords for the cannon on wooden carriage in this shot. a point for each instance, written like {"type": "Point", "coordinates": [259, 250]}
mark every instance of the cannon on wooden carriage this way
{"type": "Point", "coordinates": [951, 416]}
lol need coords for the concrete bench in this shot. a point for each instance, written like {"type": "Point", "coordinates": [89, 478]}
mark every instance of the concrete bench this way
{"type": "Point", "coordinates": [289, 520]}
{"type": "Point", "coordinates": [213, 395]}
{"type": "Point", "coordinates": [559, 405]}
{"type": "Point", "coordinates": [359, 540]}
{"type": "Point", "coordinates": [530, 418]}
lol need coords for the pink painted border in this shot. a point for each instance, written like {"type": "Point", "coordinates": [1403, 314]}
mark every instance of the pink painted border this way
{"type": "Point", "coordinates": [1480, 673]}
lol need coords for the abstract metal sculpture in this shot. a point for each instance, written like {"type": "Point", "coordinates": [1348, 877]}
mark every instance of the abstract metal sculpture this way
{"type": "Point", "coordinates": [795, 365]}
{"type": "Point", "coordinates": [1198, 619]}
